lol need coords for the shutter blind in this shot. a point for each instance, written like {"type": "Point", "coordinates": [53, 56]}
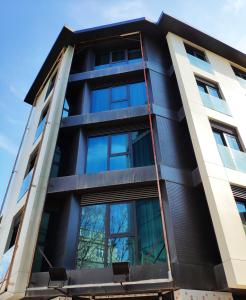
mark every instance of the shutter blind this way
{"type": "Point", "coordinates": [119, 195]}
{"type": "Point", "coordinates": [239, 192]}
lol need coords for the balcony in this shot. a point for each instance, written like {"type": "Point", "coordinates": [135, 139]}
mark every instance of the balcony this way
{"type": "Point", "coordinates": [242, 82]}
{"type": "Point", "coordinates": [199, 63]}
{"type": "Point", "coordinates": [5, 262]}
{"type": "Point", "coordinates": [233, 159]}
{"type": "Point", "coordinates": [25, 185]}
{"type": "Point", "coordinates": [215, 103]}
{"type": "Point", "coordinates": [40, 129]}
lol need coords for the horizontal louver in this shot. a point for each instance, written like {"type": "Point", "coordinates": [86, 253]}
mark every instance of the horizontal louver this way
{"type": "Point", "coordinates": [239, 192]}
{"type": "Point", "coordinates": [118, 129]}
{"type": "Point", "coordinates": [119, 195]}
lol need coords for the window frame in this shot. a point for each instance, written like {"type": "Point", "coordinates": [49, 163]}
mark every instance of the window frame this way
{"type": "Point", "coordinates": [110, 53]}
{"type": "Point", "coordinates": [223, 133]}
{"type": "Point", "coordinates": [132, 233]}
{"type": "Point", "coordinates": [239, 73]}
{"type": "Point", "coordinates": [194, 51]}
{"type": "Point", "coordinates": [207, 84]}
{"type": "Point", "coordinates": [110, 98]}
{"type": "Point", "coordinates": [109, 146]}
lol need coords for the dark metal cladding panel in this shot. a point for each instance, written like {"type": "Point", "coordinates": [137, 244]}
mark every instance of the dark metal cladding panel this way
{"type": "Point", "coordinates": [194, 235]}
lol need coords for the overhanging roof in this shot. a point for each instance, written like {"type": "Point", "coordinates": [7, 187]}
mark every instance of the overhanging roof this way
{"type": "Point", "coordinates": [164, 25]}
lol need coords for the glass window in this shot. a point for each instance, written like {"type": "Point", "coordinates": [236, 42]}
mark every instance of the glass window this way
{"type": "Point", "coordinates": [219, 138]}
{"type": "Point", "coordinates": [97, 154]}
{"type": "Point", "coordinates": [56, 162]}
{"type": "Point", "coordinates": [100, 100]}
{"type": "Point", "coordinates": [117, 232]}
{"type": "Point", "coordinates": [208, 88]}
{"type": "Point", "coordinates": [227, 139]}
{"type": "Point", "coordinates": [92, 237]}
{"type": "Point", "coordinates": [65, 111]}
{"type": "Point", "coordinates": [239, 73]}
{"type": "Point", "coordinates": [119, 151]}
{"type": "Point", "coordinates": [102, 60]}
{"type": "Point", "coordinates": [51, 84]}
{"type": "Point", "coordinates": [142, 153]}
{"type": "Point", "coordinates": [119, 93]}
{"type": "Point", "coordinates": [241, 206]}
{"type": "Point", "coordinates": [41, 123]}
{"type": "Point", "coordinates": [134, 55]}
{"type": "Point", "coordinates": [118, 55]}
{"type": "Point", "coordinates": [232, 141]}
{"type": "Point", "coordinates": [120, 218]}
{"type": "Point", "coordinates": [119, 143]}
{"type": "Point", "coordinates": [137, 93]}
{"type": "Point", "coordinates": [195, 52]}
{"type": "Point", "coordinates": [118, 97]}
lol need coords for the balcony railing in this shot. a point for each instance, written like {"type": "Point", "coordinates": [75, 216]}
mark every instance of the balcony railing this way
{"type": "Point", "coordinates": [25, 184]}
{"type": "Point", "coordinates": [201, 64]}
{"type": "Point", "coordinates": [5, 262]}
{"type": "Point", "coordinates": [40, 129]}
{"type": "Point", "coordinates": [233, 159]}
{"type": "Point", "coordinates": [242, 82]}
{"type": "Point", "coordinates": [215, 103]}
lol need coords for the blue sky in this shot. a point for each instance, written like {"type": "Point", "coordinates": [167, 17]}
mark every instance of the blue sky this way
{"type": "Point", "coordinates": [29, 28]}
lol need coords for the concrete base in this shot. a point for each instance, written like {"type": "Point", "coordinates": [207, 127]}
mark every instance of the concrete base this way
{"type": "Point", "coordinates": [201, 295]}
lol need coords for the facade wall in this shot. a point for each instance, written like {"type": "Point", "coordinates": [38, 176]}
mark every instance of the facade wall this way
{"type": "Point", "coordinates": [215, 177]}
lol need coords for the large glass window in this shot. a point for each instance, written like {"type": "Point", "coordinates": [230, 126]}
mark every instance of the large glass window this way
{"type": "Point", "coordinates": [117, 57]}
{"type": "Point", "coordinates": [241, 206]}
{"type": "Point", "coordinates": [51, 85]}
{"type": "Point", "coordinates": [239, 73]}
{"type": "Point", "coordinates": [198, 58]}
{"type": "Point", "coordinates": [117, 97]}
{"type": "Point", "coordinates": [230, 149]}
{"type": "Point", "coordinates": [129, 231]}
{"type": "Point", "coordinates": [41, 123]}
{"type": "Point", "coordinates": [28, 176]}
{"type": "Point", "coordinates": [119, 151]}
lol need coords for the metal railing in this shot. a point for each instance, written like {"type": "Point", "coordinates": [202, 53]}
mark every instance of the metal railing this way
{"type": "Point", "coordinates": [233, 159]}
{"type": "Point", "coordinates": [201, 64]}
{"type": "Point", "coordinates": [215, 103]}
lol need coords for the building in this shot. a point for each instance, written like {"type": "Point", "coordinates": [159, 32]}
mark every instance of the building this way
{"type": "Point", "coordinates": [134, 152]}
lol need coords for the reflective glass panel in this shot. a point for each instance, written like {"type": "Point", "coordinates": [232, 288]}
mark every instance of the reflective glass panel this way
{"type": "Point", "coordinates": [97, 154]}
{"type": "Point", "coordinates": [232, 141]}
{"type": "Point", "coordinates": [137, 93]}
{"type": "Point", "coordinates": [201, 87]}
{"type": "Point", "coordinates": [119, 93]}
{"type": "Point", "coordinates": [120, 218]}
{"type": "Point", "coordinates": [92, 237]}
{"type": "Point", "coordinates": [118, 105]}
{"type": "Point", "coordinates": [119, 162]}
{"type": "Point", "coordinates": [213, 91]}
{"type": "Point", "coordinates": [134, 54]}
{"type": "Point", "coordinates": [241, 206]}
{"type": "Point", "coordinates": [119, 143]}
{"type": "Point", "coordinates": [102, 60]}
{"type": "Point", "coordinates": [100, 100]}
{"type": "Point", "coordinates": [121, 249]}
{"type": "Point", "coordinates": [118, 55]}
{"type": "Point", "coordinates": [218, 138]}
{"type": "Point", "coordinates": [142, 153]}
{"type": "Point", "coordinates": [151, 247]}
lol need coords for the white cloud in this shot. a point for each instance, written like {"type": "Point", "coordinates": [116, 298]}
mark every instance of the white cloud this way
{"type": "Point", "coordinates": [234, 6]}
{"type": "Point", "coordinates": [7, 145]}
